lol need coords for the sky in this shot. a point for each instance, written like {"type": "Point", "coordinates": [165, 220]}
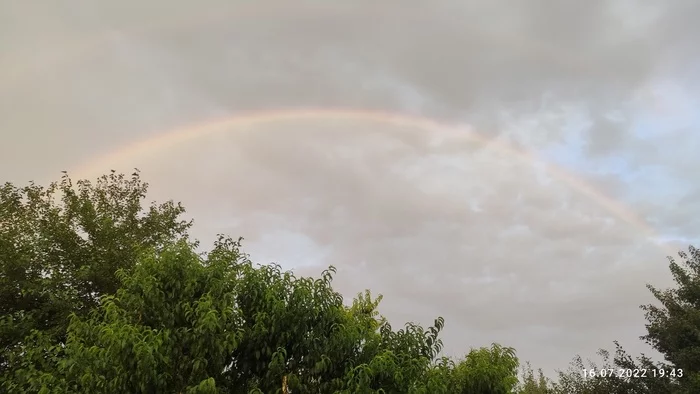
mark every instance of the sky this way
{"type": "Point", "coordinates": [558, 171]}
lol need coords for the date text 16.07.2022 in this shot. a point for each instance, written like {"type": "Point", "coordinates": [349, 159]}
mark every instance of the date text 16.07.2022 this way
{"type": "Point", "coordinates": [632, 373]}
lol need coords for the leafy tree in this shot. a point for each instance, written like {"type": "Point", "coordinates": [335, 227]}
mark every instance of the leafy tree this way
{"type": "Point", "coordinates": [299, 330]}
{"type": "Point", "coordinates": [182, 322]}
{"type": "Point", "coordinates": [673, 329]}
{"type": "Point", "coordinates": [101, 296]}
{"type": "Point", "coordinates": [170, 328]}
{"type": "Point", "coordinates": [491, 370]}
{"type": "Point", "coordinates": [61, 246]}
{"type": "Point", "coordinates": [575, 380]}
{"type": "Point", "coordinates": [533, 384]}
{"type": "Point", "coordinates": [674, 326]}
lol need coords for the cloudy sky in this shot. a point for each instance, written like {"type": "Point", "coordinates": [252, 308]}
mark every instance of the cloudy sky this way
{"type": "Point", "coordinates": [520, 168]}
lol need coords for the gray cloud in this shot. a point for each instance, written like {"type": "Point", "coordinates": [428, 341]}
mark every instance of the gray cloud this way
{"type": "Point", "coordinates": [521, 261]}
{"type": "Point", "coordinates": [458, 228]}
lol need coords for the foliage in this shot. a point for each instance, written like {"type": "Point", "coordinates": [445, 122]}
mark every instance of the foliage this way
{"type": "Point", "coordinates": [170, 328]}
{"type": "Point", "coordinates": [99, 295]}
{"type": "Point", "coordinates": [61, 247]}
{"type": "Point", "coordinates": [574, 380]}
{"type": "Point", "coordinates": [216, 324]}
{"type": "Point", "coordinates": [674, 326]}
{"type": "Point", "coordinates": [487, 370]}
{"type": "Point", "coordinates": [673, 329]}
{"type": "Point", "coordinates": [530, 383]}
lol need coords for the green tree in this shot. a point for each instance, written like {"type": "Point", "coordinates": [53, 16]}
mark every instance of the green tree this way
{"type": "Point", "coordinates": [485, 370]}
{"type": "Point", "coordinates": [183, 322]}
{"type": "Point", "coordinates": [674, 326]}
{"type": "Point", "coordinates": [533, 384]}
{"type": "Point", "coordinates": [61, 246]}
{"type": "Point", "coordinates": [299, 329]}
{"type": "Point", "coordinates": [138, 310]}
{"type": "Point", "coordinates": [673, 329]}
{"type": "Point", "coordinates": [171, 327]}
{"type": "Point", "coordinates": [575, 380]}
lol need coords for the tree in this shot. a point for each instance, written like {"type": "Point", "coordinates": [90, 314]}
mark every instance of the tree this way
{"type": "Point", "coordinates": [182, 322]}
{"type": "Point", "coordinates": [674, 326]}
{"type": "Point", "coordinates": [531, 384]}
{"type": "Point", "coordinates": [61, 246]}
{"type": "Point", "coordinates": [491, 370]}
{"type": "Point", "coordinates": [575, 381]}
{"type": "Point", "coordinates": [171, 327]}
{"type": "Point", "coordinates": [139, 310]}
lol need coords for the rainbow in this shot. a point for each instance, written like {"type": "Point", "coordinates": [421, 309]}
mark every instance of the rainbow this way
{"type": "Point", "coordinates": [173, 138]}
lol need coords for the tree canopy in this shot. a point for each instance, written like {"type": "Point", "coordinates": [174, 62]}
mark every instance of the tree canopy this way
{"type": "Point", "coordinates": [62, 245]}
{"type": "Point", "coordinates": [99, 294]}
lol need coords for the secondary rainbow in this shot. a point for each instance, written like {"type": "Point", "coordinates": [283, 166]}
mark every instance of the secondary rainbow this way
{"type": "Point", "coordinates": [16, 74]}
{"type": "Point", "coordinates": [176, 137]}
